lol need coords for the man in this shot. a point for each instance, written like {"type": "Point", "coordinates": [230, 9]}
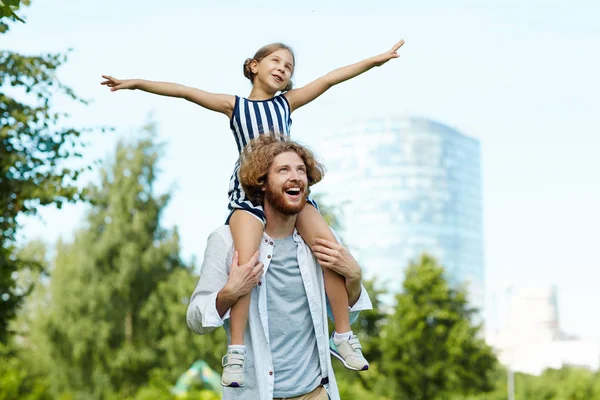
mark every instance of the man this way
{"type": "Point", "coordinates": [287, 348]}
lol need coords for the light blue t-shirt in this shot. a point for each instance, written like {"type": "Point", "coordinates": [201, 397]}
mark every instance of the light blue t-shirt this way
{"type": "Point", "coordinates": [291, 329]}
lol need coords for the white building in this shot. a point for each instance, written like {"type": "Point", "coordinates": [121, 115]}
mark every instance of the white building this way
{"type": "Point", "coordinates": [530, 339]}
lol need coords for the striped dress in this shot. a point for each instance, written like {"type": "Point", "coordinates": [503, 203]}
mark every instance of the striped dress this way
{"type": "Point", "coordinates": [251, 118]}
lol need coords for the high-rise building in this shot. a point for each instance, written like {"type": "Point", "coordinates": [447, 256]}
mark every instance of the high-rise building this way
{"type": "Point", "coordinates": [405, 186]}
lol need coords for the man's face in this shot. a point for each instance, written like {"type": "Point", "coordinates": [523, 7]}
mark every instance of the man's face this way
{"type": "Point", "coordinates": [287, 184]}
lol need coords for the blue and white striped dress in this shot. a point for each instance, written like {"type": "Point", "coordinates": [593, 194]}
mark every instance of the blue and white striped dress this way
{"type": "Point", "coordinates": [250, 119]}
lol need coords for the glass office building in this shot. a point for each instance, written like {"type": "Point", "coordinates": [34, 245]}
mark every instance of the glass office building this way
{"type": "Point", "coordinates": [405, 186]}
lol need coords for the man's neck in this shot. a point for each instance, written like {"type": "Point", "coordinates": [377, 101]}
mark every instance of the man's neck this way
{"type": "Point", "coordinates": [279, 225]}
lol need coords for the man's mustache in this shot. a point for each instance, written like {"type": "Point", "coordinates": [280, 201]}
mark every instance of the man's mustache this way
{"type": "Point", "coordinates": [295, 184]}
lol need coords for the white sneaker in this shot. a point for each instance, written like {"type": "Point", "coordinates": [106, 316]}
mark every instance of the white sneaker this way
{"type": "Point", "coordinates": [348, 351]}
{"type": "Point", "coordinates": [233, 369]}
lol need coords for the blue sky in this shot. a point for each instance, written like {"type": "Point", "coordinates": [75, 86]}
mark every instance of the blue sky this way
{"type": "Point", "coordinates": [521, 76]}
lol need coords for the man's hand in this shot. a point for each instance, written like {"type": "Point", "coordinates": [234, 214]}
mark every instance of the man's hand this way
{"type": "Point", "coordinates": [242, 278]}
{"type": "Point", "coordinates": [336, 257]}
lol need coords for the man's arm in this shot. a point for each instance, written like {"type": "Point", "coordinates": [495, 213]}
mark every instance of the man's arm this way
{"type": "Point", "coordinates": [336, 257]}
{"type": "Point", "coordinates": [219, 287]}
{"type": "Point", "coordinates": [242, 279]}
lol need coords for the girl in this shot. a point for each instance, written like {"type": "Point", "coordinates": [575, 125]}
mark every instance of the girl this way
{"type": "Point", "coordinates": [266, 111]}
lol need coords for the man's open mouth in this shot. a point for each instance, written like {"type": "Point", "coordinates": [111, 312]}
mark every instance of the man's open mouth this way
{"type": "Point", "coordinates": [293, 191]}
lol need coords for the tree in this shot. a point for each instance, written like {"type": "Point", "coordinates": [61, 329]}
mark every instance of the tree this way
{"type": "Point", "coordinates": [19, 379]}
{"type": "Point", "coordinates": [7, 12]}
{"type": "Point", "coordinates": [371, 385]}
{"type": "Point", "coordinates": [35, 147]}
{"type": "Point", "coordinates": [431, 347]}
{"type": "Point", "coordinates": [119, 291]}
{"type": "Point", "coordinates": [567, 383]}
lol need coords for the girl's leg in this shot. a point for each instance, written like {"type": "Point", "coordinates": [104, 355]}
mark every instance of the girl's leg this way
{"type": "Point", "coordinates": [343, 345]}
{"type": "Point", "coordinates": [311, 225]}
{"type": "Point", "coordinates": [247, 232]}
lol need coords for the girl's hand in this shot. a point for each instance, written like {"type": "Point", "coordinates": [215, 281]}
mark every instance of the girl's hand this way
{"type": "Point", "coordinates": [388, 55]}
{"type": "Point", "coordinates": [116, 84]}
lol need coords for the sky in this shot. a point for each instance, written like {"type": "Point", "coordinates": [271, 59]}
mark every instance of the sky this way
{"type": "Point", "coordinates": [520, 76]}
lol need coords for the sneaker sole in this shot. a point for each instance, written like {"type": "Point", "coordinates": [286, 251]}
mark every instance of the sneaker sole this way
{"type": "Point", "coordinates": [339, 357]}
{"type": "Point", "coordinates": [232, 384]}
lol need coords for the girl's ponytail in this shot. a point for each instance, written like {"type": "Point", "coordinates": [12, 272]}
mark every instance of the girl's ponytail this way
{"type": "Point", "coordinates": [247, 71]}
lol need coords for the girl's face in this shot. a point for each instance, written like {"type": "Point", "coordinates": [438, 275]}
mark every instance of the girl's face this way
{"type": "Point", "coordinates": [275, 70]}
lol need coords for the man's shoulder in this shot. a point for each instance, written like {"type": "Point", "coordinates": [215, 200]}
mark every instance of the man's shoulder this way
{"type": "Point", "coordinates": [219, 242]}
{"type": "Point", "coordinates": [222, 233]}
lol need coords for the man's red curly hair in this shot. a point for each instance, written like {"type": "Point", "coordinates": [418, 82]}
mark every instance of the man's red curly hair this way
{"type": "Point", "coordinates": [257, 157]}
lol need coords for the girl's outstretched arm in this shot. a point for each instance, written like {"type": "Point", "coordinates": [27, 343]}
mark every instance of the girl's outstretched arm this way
{"type": "Point", "coordinates": [304, 95]}
{"type": "Point", "coordinates": [222, 103]}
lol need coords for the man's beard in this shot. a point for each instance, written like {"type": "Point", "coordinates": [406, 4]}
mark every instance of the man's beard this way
{"type": "Point", "coordinates": [279, 203]}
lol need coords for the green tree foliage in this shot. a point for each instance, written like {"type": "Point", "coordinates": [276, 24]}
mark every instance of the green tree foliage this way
{"type": "Point", "coordinates": [372, 384]}
{"type": "Point", "coordinates": [432, 348]}
{"type": "Point", "coordinates": [36, 147]}
{"type": "Point", "coordinates": [567, 383]}
{"type": "Point", "coordinates": [119, 291]}
{"type": "Point", "coordinates": [19, 379]}
{"type": "Point", "coordinates": [8, 12]}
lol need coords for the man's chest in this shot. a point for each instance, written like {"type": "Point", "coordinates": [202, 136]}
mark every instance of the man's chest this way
{"type": "Point", "coordinates": [284, 280]}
